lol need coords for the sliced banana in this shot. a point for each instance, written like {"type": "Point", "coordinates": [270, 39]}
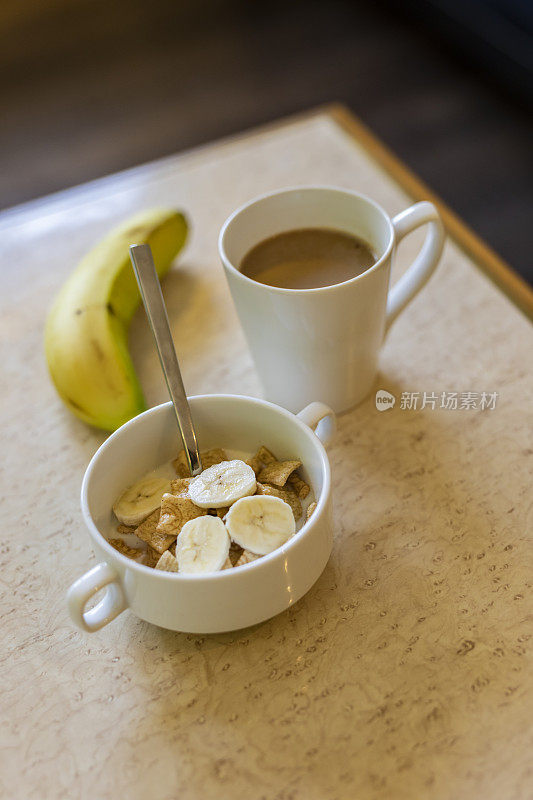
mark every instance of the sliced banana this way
{"type": "Point", "coordinates": [202, 545]}
{"type": "Point", "coordinates": [140, 500]}
{"type": "Point", "coordinates": [222, 484]}
{"type": "Point", "coordinates": [260, 523]}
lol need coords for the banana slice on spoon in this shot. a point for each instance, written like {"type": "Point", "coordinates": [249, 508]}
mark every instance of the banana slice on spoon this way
{"type": "Point", "coordinates": [222, 484]}
{"type": "Point", "coordinates": [260, 523]}
{"type": "Point", "coordinates": [202, 545]}
{"type": "Point", "coordinates": [140, 500]}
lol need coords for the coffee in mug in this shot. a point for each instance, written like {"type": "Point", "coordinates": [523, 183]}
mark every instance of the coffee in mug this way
{"type": "Point", "coordinates": [308, 258]}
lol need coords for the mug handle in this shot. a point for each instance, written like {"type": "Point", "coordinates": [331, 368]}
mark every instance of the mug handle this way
{"type": "Point", "coordinates": [424, 264]}
{"type": "Point", "coordinates": [110, 606]}
{"type": "Point", "coordinates": [321, 419]}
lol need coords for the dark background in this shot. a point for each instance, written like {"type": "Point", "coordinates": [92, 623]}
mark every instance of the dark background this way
{"type": "Point", "coordinates": [91, 87]}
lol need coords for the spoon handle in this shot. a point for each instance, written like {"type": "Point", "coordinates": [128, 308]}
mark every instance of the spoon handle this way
{"type": "Point", "coordinates": [152, 297]}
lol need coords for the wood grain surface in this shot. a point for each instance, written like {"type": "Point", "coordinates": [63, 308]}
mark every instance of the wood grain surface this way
{"type": "Point", "coordinates": [406, 671]}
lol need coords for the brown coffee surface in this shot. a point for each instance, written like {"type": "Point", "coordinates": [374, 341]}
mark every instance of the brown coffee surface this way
{"type": "Point", "coordinates": [307, 258]}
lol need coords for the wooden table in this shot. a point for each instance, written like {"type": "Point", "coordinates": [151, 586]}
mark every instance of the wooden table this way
{"type": "Point", "coordinates": [404, 672]}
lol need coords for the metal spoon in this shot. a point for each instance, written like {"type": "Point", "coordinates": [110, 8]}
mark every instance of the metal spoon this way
{"type": "Point", "coordinates": [152, 297]}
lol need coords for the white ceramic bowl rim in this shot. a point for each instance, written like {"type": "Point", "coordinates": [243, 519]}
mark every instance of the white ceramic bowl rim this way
{"type": "Point", "coordinates": [306, 188]}
{"type": "Point", "coordinates": [279, 553]}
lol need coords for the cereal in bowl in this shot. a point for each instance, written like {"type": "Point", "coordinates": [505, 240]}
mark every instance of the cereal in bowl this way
{"type": "Point", "coordinates": [238, 509]}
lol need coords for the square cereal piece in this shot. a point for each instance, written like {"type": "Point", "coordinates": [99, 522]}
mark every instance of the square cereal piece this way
{"type": "Point", "coordinates": [310, 508]}
{"type": "Point", "coordinates": [151, 557]}
{"type": "Point", "coordinates": [125, 530]}
{"type": "Point", "coordinates": [147, 531]}
{"type": "Point", "coordinates": [218, 512]}
{"type": "Point", "coordinates": [181, 466]}
{"type": "Point", "coordinates": [278, 472]}
{"type": "Point", "coordinates": [235, 552]}
{"type": "Point", "coordinates": [293, 500]}
{"type": "Point", "coordinates": [227, 564]}
{"type": "Point", "coordinates": [175, 512]}
{"type": "Point", "coordinates": [208, 457]}
{"type": "Point", "coordinates": [122, 547]}
{"type": "Point", "coordinates": [300, 487]}
{"type": "Point", "coordinates": [255, 463]}
{"type": "Point", "coordinates": [246, 557]}
{"type": "Point", "coordinates": [167, 562]}
{"type": "Point", "coordinates": [146, 528]}
{"type": "Point", "coordinates": [180, 486]}
{"type": "Point", "coordinates": [265, 456]}
{"type": "Point", "coordinates": [284, 494]}
{"type": "Point", "coordinates": [212, 457]}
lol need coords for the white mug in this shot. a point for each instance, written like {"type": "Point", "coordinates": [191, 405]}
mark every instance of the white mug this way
{"type": "Point", "coordinates": [324, 343]}
{"type": "Point", "coordinates": [225, 600]}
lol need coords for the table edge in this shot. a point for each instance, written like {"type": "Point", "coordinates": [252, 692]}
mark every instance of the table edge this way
{"type": "Point", "coordinates": [479, 252]}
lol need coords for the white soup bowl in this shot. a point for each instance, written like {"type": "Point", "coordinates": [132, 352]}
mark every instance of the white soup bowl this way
{"type": "Point", "coordinates": [220, 601]}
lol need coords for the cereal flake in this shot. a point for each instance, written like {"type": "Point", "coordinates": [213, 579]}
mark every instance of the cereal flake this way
{"type": "Point", "coordinates": [209, 458]}
{"type": "Point", "coordinates": [180, 486]}
{"type": "Point", "coordinates": [125, 530]}
{"type": "Point", "coordinates": [122, 547]}
{"type": "Point", "coordinates": [175, 512]}
{"type": "Point", "coordinates": [151, 557]}
{"type": "Point", "coordinates": [255, 463]}
{"type": "Point", "coordinates": [278, 472]}
{"type": "Point", "coordinates": [147, 531]}
{"type": "Point", "coordinates": [286, 495]}
{"type": "Point", "coordinates": [235, 552]}
{"type": "Point", "coordinates": [300, 487]}
{"type": "Point", "coordinates": [167, 562]}
{"type": "Point", "coordinates": [246, 557]}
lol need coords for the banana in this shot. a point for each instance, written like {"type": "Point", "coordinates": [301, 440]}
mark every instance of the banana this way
{"type": "Point", "coordinates": [140, 500]}
{"type": "Point", "coordinates": [260, 523]}
{"type": "Point", "coordinates": [222, 484]}
{"type": "Point", "coordinates": [86, 333]}
{"type": "Point", "coordinates": [202, 545]}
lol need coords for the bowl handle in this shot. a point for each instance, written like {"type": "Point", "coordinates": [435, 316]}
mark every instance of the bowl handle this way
{"type": "Point", "coordinates": [110, 606]}
{"type": "Point", "coordinates": [321, 419]}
